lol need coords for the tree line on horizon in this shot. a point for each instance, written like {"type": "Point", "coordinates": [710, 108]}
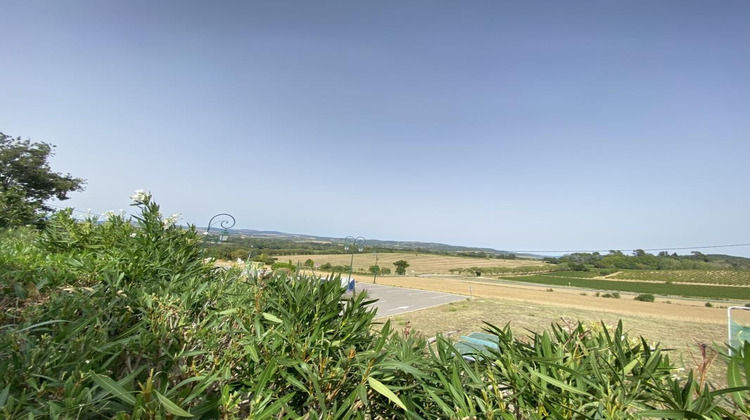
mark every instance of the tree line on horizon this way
{"type": "Point", "coordinates": [641, 260]}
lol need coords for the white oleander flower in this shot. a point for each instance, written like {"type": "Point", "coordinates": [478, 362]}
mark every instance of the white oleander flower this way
{"type": "Point", "coordinates": [139, 196]}
{"type": "Point", "coordinates": [171, 220]}
{"type": "Point", "coordinates": [109, 214]}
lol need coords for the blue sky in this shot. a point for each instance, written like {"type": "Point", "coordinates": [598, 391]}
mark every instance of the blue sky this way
{"type": "Point", "coordinates": [513, 125]}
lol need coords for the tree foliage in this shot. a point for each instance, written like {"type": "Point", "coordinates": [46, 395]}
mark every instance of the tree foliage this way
{"type": "Point", "coordinates": [401, 266]}
{"type": "Point", "coordinates": [27, 181]}
{"type": "Point", "coordinates": [641, 260]}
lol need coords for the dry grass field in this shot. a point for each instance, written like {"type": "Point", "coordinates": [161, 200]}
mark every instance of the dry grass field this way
{"type": "Point", "coordinates": [681, 324]}
{"type": "Point", "coordinates": [686, 310]}
{"type": "Point", "coordinates": [461, 318]}
{"type": "Point", "coordinates": [418, 263]}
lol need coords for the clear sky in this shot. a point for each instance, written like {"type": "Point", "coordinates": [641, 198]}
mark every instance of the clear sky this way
{"type": "Point", "coordinates": [517, 125]}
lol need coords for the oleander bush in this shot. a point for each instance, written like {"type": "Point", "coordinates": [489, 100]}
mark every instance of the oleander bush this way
{"type": "Point", "coordinates": [123, 318]}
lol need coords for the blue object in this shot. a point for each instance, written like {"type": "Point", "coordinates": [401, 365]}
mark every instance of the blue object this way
{"type": "Point", "coordinates": [476, 345]}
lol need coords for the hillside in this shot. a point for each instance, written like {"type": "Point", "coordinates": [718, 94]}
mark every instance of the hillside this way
{"type": "Point", "coordinates": [281, 243]}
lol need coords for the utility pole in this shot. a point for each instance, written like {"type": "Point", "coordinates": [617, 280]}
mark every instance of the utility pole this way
{"type": "Point", "coordinates": [377, 269]}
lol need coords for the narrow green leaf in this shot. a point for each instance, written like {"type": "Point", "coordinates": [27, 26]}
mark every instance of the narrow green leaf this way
{"type": "Point", "coordinates": [185, 382]}
{"type": "Point", "coordinates": [271, 318]}
{"type": "Point", "coordinates": [734, 379]}
{"type": "Point", "coordinates": [266, 375]}
{"type": "Point", "coordinates": [109, 385]}
{"type": "Point", "coordinates": [670, 414]}
{"type": "Point", "coordinates": [404, 367]}
{"type": "Point", "coordinates": [4, 396]}
{"type": "Point", "coordinates": [447, 410]}
{"type": "Point", "coordinates": [384, 391]}
{"type": "Point", "coordinates": [54, 321]}
{"type": "Point", "coordinates": [274, 408]}
{"type": "Point", "coordinates": [729, 390]}
{"type": "Point", "coordinates": [173, 408]}
{"type": "Point", "coordinates": [559, 384]}
{"type": "Point", "coordinates": [294, 381]}
{"type": "Point", "coordinates": [228, 311]}
{"type": "Point", "coordinates": [626, 370]}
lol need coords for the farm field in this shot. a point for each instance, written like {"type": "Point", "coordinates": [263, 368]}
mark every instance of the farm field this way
{"type": "Point", "coordinates": [579, 274]}
{"type": "Point", "coordinates": [684, 310]}
{"type": "Point", "coordinates": [418, 263]}
{"type": "Point", "coordinates": [679, 324]}
{"type": "Point", "coordinates": [688, 290]}
{"type": "Point", "coordinates": [461, 318]}
{"type": "Point", "coordinates": [725, 277]}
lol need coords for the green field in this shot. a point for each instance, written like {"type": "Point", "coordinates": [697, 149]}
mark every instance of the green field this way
{"type": "Point", "coordinates": [578, 274]}
{"type": "Point", "coordinates": [687, 290]}
{"type": "Point", "coordinates": [727, 277]}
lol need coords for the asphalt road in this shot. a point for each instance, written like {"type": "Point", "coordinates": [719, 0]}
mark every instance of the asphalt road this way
{"type": "Point", "coordinates": [398, 300]}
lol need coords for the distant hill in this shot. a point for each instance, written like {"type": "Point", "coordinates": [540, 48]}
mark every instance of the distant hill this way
{"type": "Point", "coordinates": [383, 244]}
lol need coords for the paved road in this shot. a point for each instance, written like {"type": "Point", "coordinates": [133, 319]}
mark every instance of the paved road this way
{"type": "Point", "coordinates": [397, 300]}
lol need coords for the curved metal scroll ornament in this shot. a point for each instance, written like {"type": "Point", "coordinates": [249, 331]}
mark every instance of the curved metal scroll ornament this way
{"type": "Point", "coordinates": [355, 243]}
{"type": "Point", "coordinates": [227, 223]}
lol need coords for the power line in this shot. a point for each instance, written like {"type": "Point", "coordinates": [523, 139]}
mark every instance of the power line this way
{"type": "Point", "coordinates": [676, 248]}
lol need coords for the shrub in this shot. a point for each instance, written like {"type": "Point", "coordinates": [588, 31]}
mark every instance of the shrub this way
{"type": "Point", "coordinates": [579, 267]}
{"type": "Point", "coordinates": [291, 268]}
{"type": "Point", "coordinates": [709, 305]}
{"type": "Point", "coordinates": [613, 295]}
{"type": "Point", "coordinates": [645, 297]}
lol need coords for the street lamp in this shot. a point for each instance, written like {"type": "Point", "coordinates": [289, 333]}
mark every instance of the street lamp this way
{"type": "Point", "coordinates": [357, 243]}
{"type": "Point", "coordinates": [226, 221]}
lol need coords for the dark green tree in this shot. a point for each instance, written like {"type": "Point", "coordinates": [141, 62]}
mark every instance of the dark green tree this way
{"type": "Point", "coordinates": [27, 181]}
{"type": "Point", "coordinates": [401, 267]}
{"type": "Point", "coordinates": [374, 269]}
{"type": "Point", "coordinates": [309, 263]}
{"type": "Point", "coordinates": [639, 253]}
